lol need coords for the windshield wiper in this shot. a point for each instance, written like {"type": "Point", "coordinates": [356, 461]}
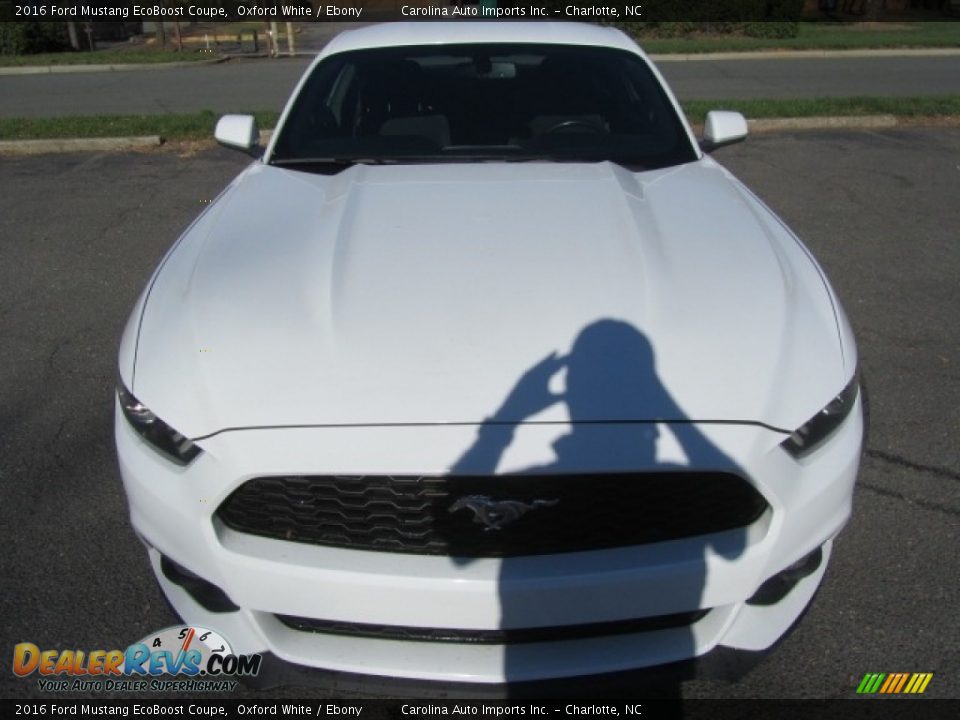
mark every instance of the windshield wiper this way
{"type": "Point", "coordinates": [628, 163]}
{"type": "Point", "coordinates": [326, 165]}
{"type": "Point", "coordinates": [337, 161]}
{"type": "Point", "coordinates": [340, 162]}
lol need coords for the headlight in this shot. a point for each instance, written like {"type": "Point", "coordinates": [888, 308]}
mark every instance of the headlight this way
{"type": "Point", "coordinates": [809, 436]}
{"type": "Point", "coordinates": [155, 431]}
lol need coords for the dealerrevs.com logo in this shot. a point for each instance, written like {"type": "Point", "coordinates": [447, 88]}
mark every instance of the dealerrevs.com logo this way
{"type": "Point", "coordinates": [199, 659]}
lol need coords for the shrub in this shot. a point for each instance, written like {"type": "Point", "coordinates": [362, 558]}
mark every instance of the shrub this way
{"type": "Point", "coordinates": [27, 38]}
{"type": "Point", "coordinates": [774, 30]}
{"type": "Point", "coordinates": [754, 18]}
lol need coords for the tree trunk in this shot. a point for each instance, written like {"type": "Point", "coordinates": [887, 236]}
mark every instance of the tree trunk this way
{"type": "Point", "coordinates": [72, 34]}
{"type": "Point", "coordinates": [872, 9]}
{"type": "Point", "coordinates": [88, 29]}
{"type": "Point", "coordinates": [269, 35]}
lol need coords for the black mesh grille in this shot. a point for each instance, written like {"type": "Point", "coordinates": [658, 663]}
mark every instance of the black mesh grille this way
{"type": "Point", "coordinates": [492, 637]}
{"type": "Point", "coordinates": [537, 514]}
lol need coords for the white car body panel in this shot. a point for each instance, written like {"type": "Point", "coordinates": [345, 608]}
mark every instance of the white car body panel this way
{"type": "Point", "coordinates": [334, 584]}
{"type": "Point", "coordinates": [281, 316]}
{"type": "Point", "coordinates": [370, 322]}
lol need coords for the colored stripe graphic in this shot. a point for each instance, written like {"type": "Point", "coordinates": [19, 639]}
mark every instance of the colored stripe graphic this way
{"type": "Point", "coordinates": [894, 683]}
{"type": "Point", "coordinates": [870, 683]}
{"type": "Point", "coordinates": [903, 679]}
{"type": "Point", "coordinates": [890, 683]}
{"type": "Point", "coordinates": [918, 683]}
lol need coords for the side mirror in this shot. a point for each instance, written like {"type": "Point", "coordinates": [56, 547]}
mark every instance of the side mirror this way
{"type": "Point", "coordinates": [723, 127]}
{"type": "Point", "coordinates": [238, 131]}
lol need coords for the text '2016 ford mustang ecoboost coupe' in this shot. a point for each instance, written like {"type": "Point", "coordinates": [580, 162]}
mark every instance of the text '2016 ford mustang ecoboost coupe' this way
{"type": "Point", "coordinates": [484, 371]}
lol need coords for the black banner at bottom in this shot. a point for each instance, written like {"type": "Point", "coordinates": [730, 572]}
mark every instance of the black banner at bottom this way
{"type": "Point", "coordinates": [854, 709]}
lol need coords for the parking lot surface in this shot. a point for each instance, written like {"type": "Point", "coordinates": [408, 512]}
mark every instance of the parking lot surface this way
{"type": "Point", "coordinates": [80, 235]}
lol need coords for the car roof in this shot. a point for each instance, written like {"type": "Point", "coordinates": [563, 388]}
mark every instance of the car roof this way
{"type": "Point", "coordinates": [395, 34]}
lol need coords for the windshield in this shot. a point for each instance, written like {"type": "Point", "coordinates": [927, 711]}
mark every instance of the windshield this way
{"type": "Point", "coordinates": [483, 102]}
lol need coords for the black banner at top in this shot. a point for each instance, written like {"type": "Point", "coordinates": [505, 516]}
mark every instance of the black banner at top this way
{"type": "Point", "coordinates": [379, 10]}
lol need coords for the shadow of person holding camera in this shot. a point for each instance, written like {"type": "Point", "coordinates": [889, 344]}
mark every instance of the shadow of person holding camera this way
{"type": "Point", "coordinates": [618, 408]}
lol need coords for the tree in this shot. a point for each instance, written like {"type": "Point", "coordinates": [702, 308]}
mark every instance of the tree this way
{"type": "Point", "coordinates": [73, 36]}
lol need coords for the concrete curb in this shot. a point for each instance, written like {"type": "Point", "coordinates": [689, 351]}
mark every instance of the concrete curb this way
{"type": "Point", "coordinates": [804, 54]}
{"type": "Point", "coordinates": [759, 126]}
{"type": "Point", "coordinates": [119, 67]}
{"type": "Point", "coordinates": [835, 122]}
{"type": "Point", "coordinates": [66, 145]}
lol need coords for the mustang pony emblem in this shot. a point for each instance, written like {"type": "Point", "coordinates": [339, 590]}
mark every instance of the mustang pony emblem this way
{"type": "Point", "coordinates": [494, 514]}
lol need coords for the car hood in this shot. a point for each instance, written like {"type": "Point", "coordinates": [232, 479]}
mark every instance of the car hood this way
{"type": "Point", "coordinates": [424, 293]}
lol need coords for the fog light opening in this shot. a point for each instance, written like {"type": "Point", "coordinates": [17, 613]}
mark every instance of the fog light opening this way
{"type": "Point", "coordinates": [776, 588]}
{"type": "Point", "coordinates": [205, 593]}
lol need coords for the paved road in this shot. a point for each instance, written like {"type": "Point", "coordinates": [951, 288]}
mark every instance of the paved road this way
{"type": "Point", "coordinates": [266, 84]}
{"type": "Point", "coordinates": [80, 234]}
{"type": "Point", "coordinates": [813, 77]}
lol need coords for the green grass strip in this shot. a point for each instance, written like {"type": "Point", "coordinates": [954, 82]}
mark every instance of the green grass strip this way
{"type": "Point", "coordinates": [181, 126]}
{"type": "Point", "coordinates": [105, 57]}
{"type": "Point", "coordinates": [816, 36]}
{"type": "Point", "coordinates": [932, 106]}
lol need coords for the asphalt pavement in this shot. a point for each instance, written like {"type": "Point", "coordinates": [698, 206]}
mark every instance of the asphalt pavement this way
{"type": "Point", "coordinates": [263, 84]}
{"type": "Point", "coordinates": [80, 235]}
{"type": "Point", "coordinates": [235, 85]}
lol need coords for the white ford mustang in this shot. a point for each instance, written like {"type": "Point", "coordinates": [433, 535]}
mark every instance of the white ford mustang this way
{"type": "Point", "coordinates": [485, 372]}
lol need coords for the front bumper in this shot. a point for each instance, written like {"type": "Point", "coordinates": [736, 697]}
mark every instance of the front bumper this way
{"type": "Point", "coordinates": [172, 509]}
